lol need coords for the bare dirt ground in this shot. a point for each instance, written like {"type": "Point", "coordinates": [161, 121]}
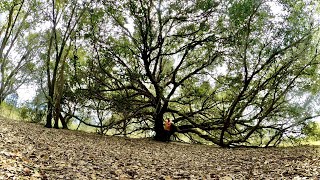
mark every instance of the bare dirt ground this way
{"type": "Point", "coordinates": [30, 151]}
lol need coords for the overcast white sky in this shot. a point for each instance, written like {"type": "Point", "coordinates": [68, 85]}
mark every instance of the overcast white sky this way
{"type": "Point", "coordinates": [26, 93]}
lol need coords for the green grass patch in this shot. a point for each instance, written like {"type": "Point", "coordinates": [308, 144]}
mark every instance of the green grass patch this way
{"type": "Point", "coordinates": [9, 111]}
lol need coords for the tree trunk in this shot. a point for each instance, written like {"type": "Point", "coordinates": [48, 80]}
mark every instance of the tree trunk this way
{"type": "Point", "coordinates": [161, 134]}
{"type": "Point", "coordinates": [56, 116]}
{"type": "Point", "coordinates": [50, 106]}
{"type": "Point", "coordinates": [63, 121]}
{"type": "Point", "coordinates": [49, 116]}
{"type": "Point", "coordinates": [56, 119]}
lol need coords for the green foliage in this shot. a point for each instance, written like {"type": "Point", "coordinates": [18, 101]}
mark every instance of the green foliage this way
{"type": "Point", "coordinates": [312, 131]}
{"type": "Point", "coordinates": [25, 113]}
{"type": "Point", "coordinates": [205, 4]}
{"type": "Point", "coordinates": [227, 72]}
{"type": "Point", "coordinates": [169, 64]}
{"type": "Point", "coordinates": [18, 45]}
{"type": "Point", "coordinates": [33, 111]}
{"type": "Point", "coordinates": [10, 111]}
{"type": "Point", "coordinates": [241, 10]}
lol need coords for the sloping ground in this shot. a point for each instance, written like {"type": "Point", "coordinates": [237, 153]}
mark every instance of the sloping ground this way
{"type": "Point", "coordinates": [29, 151]}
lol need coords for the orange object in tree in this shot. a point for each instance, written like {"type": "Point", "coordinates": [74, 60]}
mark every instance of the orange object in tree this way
{"type": "Point", "coordinates": [167, 124]}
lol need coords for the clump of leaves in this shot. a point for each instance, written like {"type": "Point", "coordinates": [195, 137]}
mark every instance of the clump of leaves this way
{"type": "Point", "coordinates": [312, 131]}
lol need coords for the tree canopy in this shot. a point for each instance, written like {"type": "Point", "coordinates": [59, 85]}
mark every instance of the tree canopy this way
{"type": "Point", "coordinates": [17, 44]}
{"type": "Point", "coordinates": [231, 73]}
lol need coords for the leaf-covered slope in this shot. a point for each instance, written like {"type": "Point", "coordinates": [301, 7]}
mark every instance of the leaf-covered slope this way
{"type": "Point", "coordinates": [29, 151]}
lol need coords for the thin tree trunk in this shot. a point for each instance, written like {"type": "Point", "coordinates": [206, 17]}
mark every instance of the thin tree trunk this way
{"type": "Point", "coordinates": [50, 108]}
{"type": "Point", "coordinates": [49, 116]}
{"type": "Point", "coordinates": [63, 121]}
{"type": "Point", "coordinates": [56, 118]}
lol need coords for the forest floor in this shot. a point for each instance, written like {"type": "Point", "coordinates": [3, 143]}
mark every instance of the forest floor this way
{"type": "Point", "coordinates": [30, 151]}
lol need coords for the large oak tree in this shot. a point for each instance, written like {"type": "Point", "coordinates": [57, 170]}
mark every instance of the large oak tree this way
{"type": "Point", "coordinates": [223, 71]}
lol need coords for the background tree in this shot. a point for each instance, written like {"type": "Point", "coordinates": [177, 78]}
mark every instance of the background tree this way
{"type": "Point", "coordinates": [17, 44]}
{"type": "Point", "coordinates": [269, 58]}
{"type": "Point", "coordinates": [64, 17]}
